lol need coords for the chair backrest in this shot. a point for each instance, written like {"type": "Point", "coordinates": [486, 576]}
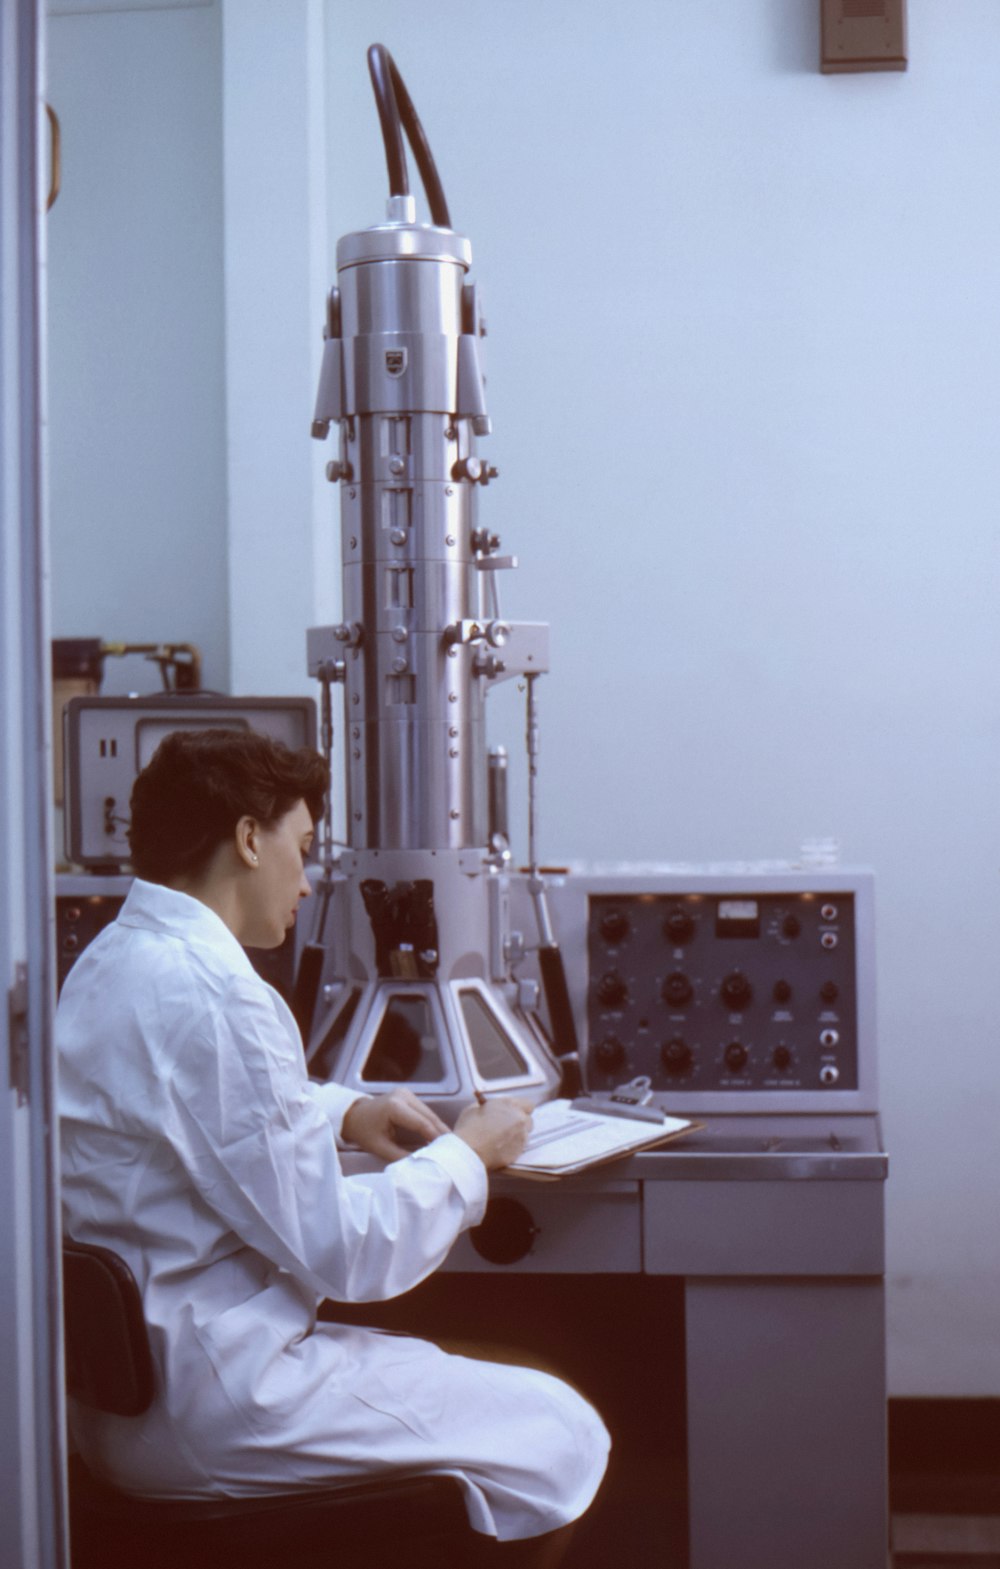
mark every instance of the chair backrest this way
{"type": "Point", "coordinates": [109, 1364]}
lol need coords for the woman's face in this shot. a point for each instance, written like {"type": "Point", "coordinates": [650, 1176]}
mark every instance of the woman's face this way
{"type": "Point", "coordinates": [279, 880]}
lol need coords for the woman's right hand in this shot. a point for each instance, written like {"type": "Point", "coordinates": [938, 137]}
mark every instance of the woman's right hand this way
{"type": "Point", "coordinates": [497, 1130]}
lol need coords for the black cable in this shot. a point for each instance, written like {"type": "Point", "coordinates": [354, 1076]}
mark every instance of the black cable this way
{"type": "Point", "coordinates": [380, 69]}
{"type": "Point", "coordinates": [396, 113]}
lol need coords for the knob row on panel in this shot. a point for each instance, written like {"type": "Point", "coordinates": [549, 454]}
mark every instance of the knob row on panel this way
{"type": "Point", "coordinates": [736, 991]}
{"type": "Point", "coordinates": [679, 926]}
{"type": "Point", "coordinates": [678, 1057]}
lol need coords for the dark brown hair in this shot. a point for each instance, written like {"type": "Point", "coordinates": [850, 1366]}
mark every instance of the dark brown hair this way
{"type": "Point", "coordinates": [199, 783]}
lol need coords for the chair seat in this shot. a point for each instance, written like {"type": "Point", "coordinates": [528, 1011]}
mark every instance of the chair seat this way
{"type": "Point", "coordinates": [372, 1524]}
{"type": "Point", "coordinates": [356, 1524]}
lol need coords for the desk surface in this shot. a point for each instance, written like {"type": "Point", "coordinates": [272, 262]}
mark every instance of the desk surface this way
{"type": "Point", "coordinates": [756, 1148]}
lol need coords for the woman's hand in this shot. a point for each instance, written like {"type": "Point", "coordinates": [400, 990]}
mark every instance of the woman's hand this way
{"type": "Point", "coordinates": [497, 1130]}
{"type": "Point", "coordinates": [392, 1125]}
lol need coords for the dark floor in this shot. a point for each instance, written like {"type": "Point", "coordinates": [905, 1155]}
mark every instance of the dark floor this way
{"type": "Point", "coordinates": [944, 1470]}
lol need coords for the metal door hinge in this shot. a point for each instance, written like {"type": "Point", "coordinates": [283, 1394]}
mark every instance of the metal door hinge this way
{"type": "Point", "coordinates": [17, 1024]}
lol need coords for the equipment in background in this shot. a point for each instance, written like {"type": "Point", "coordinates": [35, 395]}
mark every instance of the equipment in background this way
{"type": "Point", "coordinates": [78, 670]}
{"type": "Point", "coordinates": [107, 741]}
{"type": "Point", "coordinates": [411, 977]}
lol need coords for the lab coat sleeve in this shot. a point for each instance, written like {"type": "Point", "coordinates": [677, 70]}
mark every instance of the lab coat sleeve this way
{"type": "Point", "coordinates": [241, 1115]}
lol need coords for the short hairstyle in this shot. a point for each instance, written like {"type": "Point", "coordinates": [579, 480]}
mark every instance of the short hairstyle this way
{"type": "Point", "coordinates": [199, 783]}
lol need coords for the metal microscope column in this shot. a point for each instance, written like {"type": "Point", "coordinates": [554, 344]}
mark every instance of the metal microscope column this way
{"type": "Point", "coordinates": [413, 399]}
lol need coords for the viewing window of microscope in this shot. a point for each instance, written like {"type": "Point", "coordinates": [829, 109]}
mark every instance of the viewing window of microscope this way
{"type": "Point", "coordinates": [495, 1056]}
{"type": "Point", "coordinates": [406, 1048]}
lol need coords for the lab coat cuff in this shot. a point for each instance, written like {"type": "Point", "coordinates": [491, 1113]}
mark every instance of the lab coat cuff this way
{"type": "Point", "coordinates": [464, 1168]}
{"type": "Point", "coordinates": [335, 1100]}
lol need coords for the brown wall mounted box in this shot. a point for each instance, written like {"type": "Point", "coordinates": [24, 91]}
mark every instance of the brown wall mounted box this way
{"type": "Point", "coordinates": [863, 35]}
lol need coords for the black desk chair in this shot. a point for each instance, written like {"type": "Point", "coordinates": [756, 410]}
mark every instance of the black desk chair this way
{"type": "Point", "coordinates": [406, 1521]}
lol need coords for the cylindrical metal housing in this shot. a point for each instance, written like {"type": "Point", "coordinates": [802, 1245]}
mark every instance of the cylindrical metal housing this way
{"type": "Point", "coordinates": [417, 774]}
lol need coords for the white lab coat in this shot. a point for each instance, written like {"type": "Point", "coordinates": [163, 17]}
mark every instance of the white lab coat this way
{"type": "Point", "coordinates": [195, 1145]}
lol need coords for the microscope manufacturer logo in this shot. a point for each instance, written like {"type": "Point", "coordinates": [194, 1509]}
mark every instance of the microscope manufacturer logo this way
{"type": "Point", "coordinates": [395, 361]}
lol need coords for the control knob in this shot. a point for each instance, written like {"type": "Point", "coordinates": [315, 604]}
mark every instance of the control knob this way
{"type": "Point", "coordinates": [614, 927]}
{"type": "Point", "coordinates": [677, 990]}
{"type": "Point", "coordinates": [678, 927]}
{"type": "Point", "coordinates": [736, 991]}
{"type": "Point", "coordinates": [611, 990]}
{"type": "Point", "coordinates": [676, 1055]}
{"type": "Point", "coordinates": [610, 1054]}
{"type": "Point", "coordinates": [735, 1056]}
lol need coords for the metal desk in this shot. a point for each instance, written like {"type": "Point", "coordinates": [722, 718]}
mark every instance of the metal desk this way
{"type": "Point", "coordinates": [776, 1226]}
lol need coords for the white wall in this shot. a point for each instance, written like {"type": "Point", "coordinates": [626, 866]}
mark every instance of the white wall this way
{"type": "Point", "coordinates": [136, 334]}
{"type": "Point", "coordinates": [744, 339]}
{"type": "Point", "coordinates": [744, 374]}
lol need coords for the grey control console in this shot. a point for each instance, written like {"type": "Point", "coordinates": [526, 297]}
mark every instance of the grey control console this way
{"type": "Point", "coordinates": [730, 988]}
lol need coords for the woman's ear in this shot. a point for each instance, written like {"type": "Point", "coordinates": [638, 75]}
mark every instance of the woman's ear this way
{"type": "Point", "coordinates": [246, 841]}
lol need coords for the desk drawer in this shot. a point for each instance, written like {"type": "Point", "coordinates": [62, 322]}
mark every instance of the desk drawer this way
{"type": "Point", "coordinates": [596, 1231]}
{"type": "Point", "coordinates": [764, 1228]}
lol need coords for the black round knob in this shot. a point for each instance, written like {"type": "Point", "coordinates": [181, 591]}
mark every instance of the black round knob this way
{"type": "Point", "coordinates": [614, 927]}
{"type": "Point", "coordinates": [676, 1055]}
{"type": "Point", "coordinates": [506, 1232]}
{"type": "Point", "coordinates": [735, 1056]}
{"type": "Point", "coordinates": [611, 989]}
{"type": "Point", "coordinates": [678, 927]}
{"type": "Point", "coordinates": [610, 1054]}
{"type": "Point", "coordinates": [677, 990]}
{"type": "Point", "coordinates": [782, 1058]}
{"type": "Point", "coordinates": [782, 991]}
{"type": "Point", "coordinates": [829, 991]}
{"type": "Point", "coordinates": [791, 926]}
{"type": "Point", "coordinates": [736, 990]}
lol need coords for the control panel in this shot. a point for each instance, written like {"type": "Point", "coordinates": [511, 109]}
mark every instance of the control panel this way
{"type": "Point", "coordinates": [724, 988]}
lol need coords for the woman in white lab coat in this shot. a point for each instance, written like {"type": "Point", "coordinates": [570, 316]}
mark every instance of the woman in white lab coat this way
{"type": "Point", "coordinates": [194, 1144]}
